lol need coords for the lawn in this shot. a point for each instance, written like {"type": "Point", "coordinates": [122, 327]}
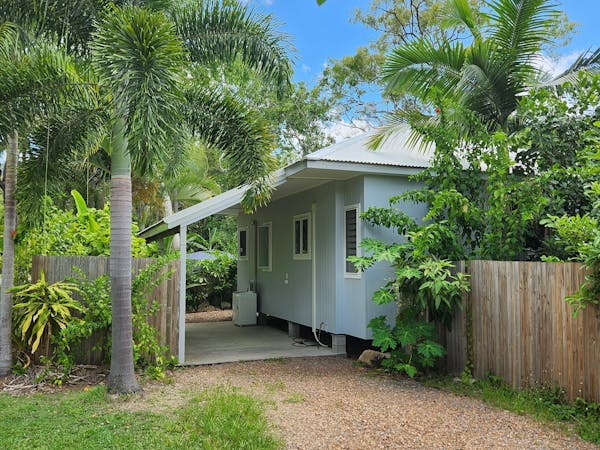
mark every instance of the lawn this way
{"type": "Point", "coordinates": [218, 418]}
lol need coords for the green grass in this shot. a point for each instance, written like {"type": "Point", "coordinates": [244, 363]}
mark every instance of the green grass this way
{"type": "Point", "coordinates": [219, 418]}
{"type": "Point", "coordinates": [546, 404]}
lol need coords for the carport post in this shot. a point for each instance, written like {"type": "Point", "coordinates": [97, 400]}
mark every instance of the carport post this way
{"type": "Point", "coordinates": [182, 278]}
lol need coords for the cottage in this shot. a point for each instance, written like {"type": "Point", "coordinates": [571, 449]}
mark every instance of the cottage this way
{"type": "Point", "coordinates": [293, 251]}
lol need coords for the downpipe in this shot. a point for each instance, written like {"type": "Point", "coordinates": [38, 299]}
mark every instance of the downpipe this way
{"type": "Point", "coordinates": [313, 238]}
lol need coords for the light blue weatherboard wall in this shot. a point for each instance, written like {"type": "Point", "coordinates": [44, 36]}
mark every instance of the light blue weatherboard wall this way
{"type": "Point", "coordinates": [378, 190]}
{"type": "Point", "coordinates": [344, 304]}
{"type": "Point", "coordinates": [292, 301]}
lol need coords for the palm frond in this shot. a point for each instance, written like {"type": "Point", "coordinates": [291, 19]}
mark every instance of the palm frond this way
{"type": "Point", "coordinates": [588, 61]}
{"type": "Point", "coordinates": [424, 68]}
{"type": "Point", "coordinates": [138, 54]}
{"type": "Point", "coordinates": [521, 27]}
{"type": "Point", "coordinates": [34, 81]}
{"type": "Point", "coordinates": [223, 121]}
{"type": "Point", "coordinates": [224, 31]}
{"type": "Point", "coordinates": [458, 13]}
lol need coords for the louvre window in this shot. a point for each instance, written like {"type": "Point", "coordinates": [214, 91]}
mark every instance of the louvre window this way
{"type": "Point", "coordinates": [302, 236]}
{"type": "Point", "coordinates": [243, 243]}
{"type": "Point", "coordinates": [351, 238]}
{"type": "Point", "coordinates": [264, 246]}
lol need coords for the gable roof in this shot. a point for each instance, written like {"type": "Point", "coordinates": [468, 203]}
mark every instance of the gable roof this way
{"type": "Point", "coordinates": [340, 161]}
{"type": "Point", "coordinates": [394, 151]}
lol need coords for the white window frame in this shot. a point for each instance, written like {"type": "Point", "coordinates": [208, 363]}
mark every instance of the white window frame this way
{"type": "Point", "coordinates": [300, 218]}
{"type": "Point", "coordinates": [268, 268]}
{"type": "Point", "coordinates": [347, 208]}
{"type": "Point", "coordinates": [239, 232]}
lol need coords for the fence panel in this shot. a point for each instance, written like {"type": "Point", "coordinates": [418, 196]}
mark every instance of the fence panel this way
{"type": "Point", "coordinates": [524, 331]}
{"type": "Point", "coordinates": [166, 294]}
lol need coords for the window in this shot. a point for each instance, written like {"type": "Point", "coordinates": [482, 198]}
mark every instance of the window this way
{"type": "Point", "coordinates": [264, 246]}
{"type": "Point", "coordinates": [243, 244]}
{"type": "Point", "coordinates": [302, 236]}
{"type": "Point", "coordinates": [351, 239]}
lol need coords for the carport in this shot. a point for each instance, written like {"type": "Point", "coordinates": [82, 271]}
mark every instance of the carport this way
{"type": "Point", "coordinates": [220, 342]}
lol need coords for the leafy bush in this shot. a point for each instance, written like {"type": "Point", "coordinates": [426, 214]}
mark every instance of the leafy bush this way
{"type": "Point", "coordinates": [211, 280]}
{"type": "Point", "coordinates": [424, 289]}
{"type": "Point", "coordinates": [84, 233]}
{"type": "Point", "coordinates": [96, 319]}
{"type": "Point", "coordinates": [42, 310]}
{"type": "Point", "coordinates": [579, 235]}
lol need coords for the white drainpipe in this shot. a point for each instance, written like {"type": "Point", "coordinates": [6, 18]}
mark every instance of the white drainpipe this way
{"type": "Point", "coordinates": [313, 236]}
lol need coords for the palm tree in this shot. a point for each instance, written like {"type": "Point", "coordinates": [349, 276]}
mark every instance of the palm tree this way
{"type": "Point", "coordinates": [33, 78]}
{"type": "Point", "coordinates": [138, 56]}
{"type": "Point", "coordinates": [486, 77]}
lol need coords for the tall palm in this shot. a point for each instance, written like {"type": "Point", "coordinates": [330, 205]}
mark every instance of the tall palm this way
{"type": "Point", "coordinates": [33, 79]}
{"type": "Point", "coordinates": [138, 57]}
{"type": "Point", "coordinates": [486, 76]}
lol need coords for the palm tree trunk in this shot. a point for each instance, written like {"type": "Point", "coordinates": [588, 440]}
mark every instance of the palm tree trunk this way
{"type": "Point", "coordinates": [8, 255]}
{"type": "Point", "coordinates": [122, 377]}
{"type": "Point", "coordinates": [168, 211]}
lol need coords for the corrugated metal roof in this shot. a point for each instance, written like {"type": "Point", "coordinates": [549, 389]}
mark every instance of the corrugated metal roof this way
{"type": "Point", "coordinates": [394, 151]}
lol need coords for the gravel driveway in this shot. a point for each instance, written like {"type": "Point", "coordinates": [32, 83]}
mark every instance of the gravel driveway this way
{"type": "Point", "coordinates": [330, 403]}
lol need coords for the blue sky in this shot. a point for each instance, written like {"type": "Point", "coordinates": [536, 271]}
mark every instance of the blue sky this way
{"type": "Point", "coordinates": [325, 32]}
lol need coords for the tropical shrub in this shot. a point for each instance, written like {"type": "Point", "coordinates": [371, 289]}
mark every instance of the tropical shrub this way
{"type": "Point", "coordinates": [84, 233]}
{"type": "Point", "coordinates": [42, 310]}
{"type": "Point", "coordinates": [425, 290]}
{"type": "Point", "coordinates": [579, 235]}
{"type": "Point", "coordinates": [211, 280]}
{"type": "Point", "coordinates": [95, 318]}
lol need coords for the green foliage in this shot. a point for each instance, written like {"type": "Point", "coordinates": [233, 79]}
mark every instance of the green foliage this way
{"type": "Point", "coordinates": [96, 320]}
{"type": "Point", "coordinates": [580, 235]}
{"type": "Point", "coordinates": [218, 418]}
{"type": "Point", "coordinates": [547, 404]}
{"type": "Point", "coordinates": [424, 289]}
{"type": "Point", "coordinates": [410, 342]}
{"type": "Point", "coordinates": [211, 280]}
{"type": "Point", "coordinates": [41, 310]}
{"type": "Point", "coordinates": [85, 233]}
{"type": "Point", "coordinates": [147, 350]}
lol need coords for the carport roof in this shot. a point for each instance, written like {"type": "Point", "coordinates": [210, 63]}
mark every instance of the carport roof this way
{"type": "Point", "coordinates": [340, 161]}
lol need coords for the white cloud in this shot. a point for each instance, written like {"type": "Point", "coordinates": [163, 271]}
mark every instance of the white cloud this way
{"type": "Point", "coordinates": [305, 68]}
{"type": "Point", "coordinates": [345, 130]}
{"type": "Point", "coordinates": [556, 66]}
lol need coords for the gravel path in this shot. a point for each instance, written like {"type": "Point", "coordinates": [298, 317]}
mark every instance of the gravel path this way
{"type": "Point", "coordinates": [329, 402]}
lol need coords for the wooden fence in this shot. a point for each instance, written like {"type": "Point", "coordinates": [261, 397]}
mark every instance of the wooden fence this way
{"type": "Point", "coordinates": [165, 320]}
{"type": "Point", "coordinates": [524, 331]}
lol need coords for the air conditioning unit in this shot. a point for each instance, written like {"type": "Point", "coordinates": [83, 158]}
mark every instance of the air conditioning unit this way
{"type": "Point", "coordinates": [244, 308]}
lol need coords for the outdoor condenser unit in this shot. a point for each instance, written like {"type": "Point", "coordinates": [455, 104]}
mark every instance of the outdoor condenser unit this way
{"type": "Point", "coordinates": [244, 308]}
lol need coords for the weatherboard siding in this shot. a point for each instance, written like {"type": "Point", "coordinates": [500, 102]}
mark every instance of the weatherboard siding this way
{"type": "Point", "coordinates": [292, 301]}
{"type": "Point", "coordinates": [378, 190]}
{"type": "Point", "coordinates": [344, 304]}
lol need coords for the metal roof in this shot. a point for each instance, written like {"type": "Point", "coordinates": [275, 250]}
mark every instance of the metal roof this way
{"type": "Point", "coordinates": [339, 161]}
{"type": "Point", "coordinates": [395, 150]}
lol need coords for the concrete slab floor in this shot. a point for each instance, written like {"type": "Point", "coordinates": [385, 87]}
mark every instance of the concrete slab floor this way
{"type": "Point", "coordinates": [220, 342]}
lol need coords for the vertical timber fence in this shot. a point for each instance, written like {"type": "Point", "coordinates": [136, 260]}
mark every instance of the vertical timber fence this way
{"type": "Point", "coordinates": [166, 294]}
{"type": "Point", "coordinates": [524, 331]}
